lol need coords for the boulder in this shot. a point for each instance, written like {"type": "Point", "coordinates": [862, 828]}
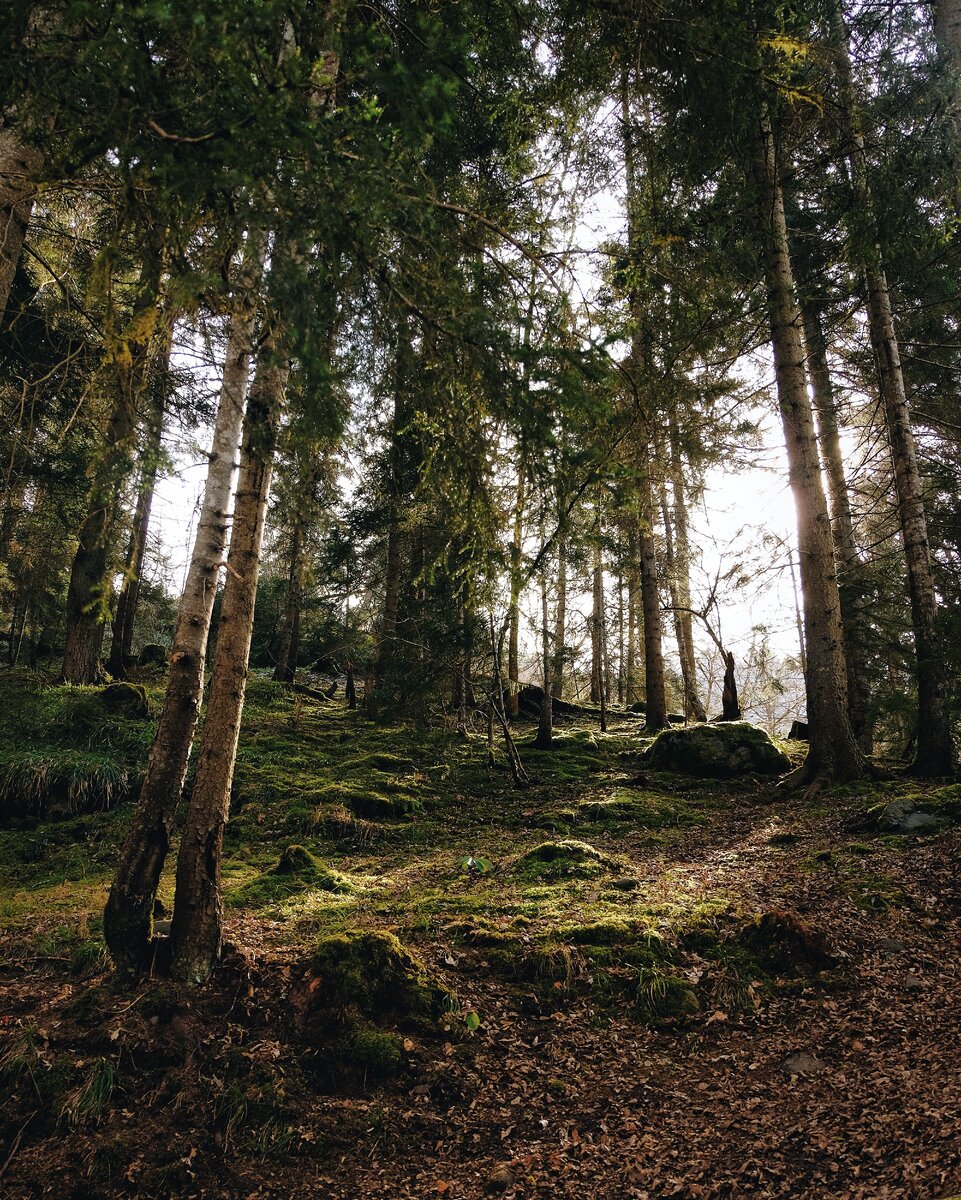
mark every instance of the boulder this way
{"type": "Point", "coordinates": [152, 655]}
{"type": "Point", "coordinates": [125, 700]}
{"type": "Point", "coordinates": [901, 816]}
{"type": "Point", "coordinates": [717, 751]}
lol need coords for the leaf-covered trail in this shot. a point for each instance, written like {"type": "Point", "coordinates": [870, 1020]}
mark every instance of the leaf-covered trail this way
{"type": "Point", "coordinates": [583, 1105]}
{"type": "Point", "coordinates": [843, 1084]}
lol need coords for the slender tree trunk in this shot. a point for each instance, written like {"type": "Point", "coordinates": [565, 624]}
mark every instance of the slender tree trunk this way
{"type": "Point", "coordinates": [87, 602]}
{"type": "Point", "coordinates": [853, 615]}
{"type": "Point", "coordinates": [597, 622]}
{"type": "Point", "coordinates": [947, 31]}
{"type": "Point", "coordinates": [196, 931]}
{"type": "Point", "coordinates": [19, 167]}
{"type": "Point", "coordinates": [620, 637]}
{"type": "Point", "coordinates": [633, 587]}
{"type": "Point", "coordinates": [545, 723]}
{"type": "Point", "coordinates": [393, 572]}
{"type": "Point", "coordinates": [682, 572]}
{"type": "Point", "coordinates": [560, 620]}
{"type": "Point", "coordinates": [935, 750]}
{"type": "Point", "coordinates": [655, 689]}
{"type": "Point", "coordinates": [126, 612]}
{"type": "Point", "coordinates": [128, 915]}
{"type": "Point", "coordinates": [513, 663]}
{"type": "Point", "coordinates": [285, 670]}
{"type": "Point", "coordinates": [656, 693]}
{"type": "Point", "coordinates": [833, 749]}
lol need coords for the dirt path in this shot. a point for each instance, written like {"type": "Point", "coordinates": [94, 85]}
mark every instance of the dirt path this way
{"type": "Point", "coordinates": [579, 1100]}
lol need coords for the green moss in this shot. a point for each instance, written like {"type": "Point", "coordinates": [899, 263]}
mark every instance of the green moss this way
{"type": "Point", "coordinates": [782, 942]}
{"type": "Point", "coordinates": [609, 932]}
{"type": "Point", "coordinates": [374, 1052]}
{"type": "Point", "coordinates": [372, 972]}
{"type": "Point", "coordinates": [663, 998]}
{"type": "Point", "coordinates": [567, 857]}
{"type": "Point", "coordinates": [717, 751]}
{"type": "Point", "coordinates": [296, 871]}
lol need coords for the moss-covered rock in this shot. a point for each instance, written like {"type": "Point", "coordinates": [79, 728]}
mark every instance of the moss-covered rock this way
{"type": "Point", "coordinates": [152, 656]}
{"type": "Point", "coordinates": [125, 700]}
{"type": "Point", "coordinates": [372, 973]}
{"type": "Point", "coordinates": [374, 1052]}
{"type": "Point", "coordinates": [717, 751]}
{"type": "Point", "coordinates": [664, 998]}
{"type": "Point", "coordinates": [296, 871]}
{"type": "Point", "coordinates": [782, 942]}
{"type": "Point", "coordinates": [565, 857]}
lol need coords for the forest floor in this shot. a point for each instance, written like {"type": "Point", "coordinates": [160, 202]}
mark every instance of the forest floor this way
{"type": "Point", "coordinates": [655, 986]}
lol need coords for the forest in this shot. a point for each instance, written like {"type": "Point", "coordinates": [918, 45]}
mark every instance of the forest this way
{"type": "Point", "coordinates": [480, 599]}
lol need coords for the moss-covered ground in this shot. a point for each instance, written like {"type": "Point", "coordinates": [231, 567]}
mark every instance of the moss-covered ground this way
{"type": "Point", "coordinates": [605, 905]}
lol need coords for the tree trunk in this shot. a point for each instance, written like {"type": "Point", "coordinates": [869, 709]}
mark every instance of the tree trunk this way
{"type": "Point", "coordinates": [935, 749]}
{"type": "Point", "coordinates": [121, 641]}
{"type": "Point", "coordinates": [655, 690]}
{"type": "Point", "coordinates": [655, 693]}
{"type": "Point", "coordinates": [947, 32]}
{"type": "Point", "coordinates": [196, 931]}
{"type": "Point", "coordinates": [560, 620]}
{"type": "Point", "coordinates": [129, 912]}
{"type": "Point", "coordinates": [393, 571]}
{"type": "Point", "coordinates": [597, 622]}
{"type": "Point", "coordinates": [513, 663]}
{"type": "Point", "coordinates": [285, 670]}
{"type": "Point", "coordinates": [633, 588]}
{"type": "Point", "coordinates": [853, 615]}
{"type": "Point", "coordinates": [19, 167]}
{"type": "Point", "coordinates": [833, 750]}
{"type": "Point", "coordinates": [87, 600]}
{"type": "Point", "coordinates": [620, 636]}
{"type": "Point", "coordinates": [545, 722]}
{"type": "Point", "coordinates": [694, 706]}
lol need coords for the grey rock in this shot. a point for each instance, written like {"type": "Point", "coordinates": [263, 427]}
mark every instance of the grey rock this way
{"type": "Point", "coordinates": [802, 1063]}
{"type": "Point", "coordinates": [901, 816]}
{"type": "Point", "coordinates": [717, 751]}
{"type": "Point", "coordinates": [921, 822]}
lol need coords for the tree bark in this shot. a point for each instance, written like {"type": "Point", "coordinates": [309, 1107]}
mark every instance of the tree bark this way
{"type": "Point", "coordinates": [288, 646]}
{"type": "Point", "coordinates": [655, 693]}
{"type": "Point", "coordinates": [196, 931]}
{"type": "Point", "coordinates": [125, 615]}
{"type": "Point", "coordinates": [833, 749]}
{"type": "Point", "coordinates": [517, 542]}
{"type": "Point", "coordinates": [128, 915]}
{"type": "Point", "coordinates": [597, 620]}
{"type": "Point", "coordinates": [935, 747]}
{"type": "Point", "coordinates": [560, 620]}
{"type": "Point", "coordinates": [19, 167]}
{"type": "Point", "coordinates": [545, 721]}
{"type": "Point", "coordinates": [682, 571]}
{"type": "Point", "coordinates": [87, 602]}
{"type": "Point", "coordinates": [655, 690]}
{"type": "Point", "coordinates": [853, 615]}
{"type": "Point", "coordinates": [947, 32]}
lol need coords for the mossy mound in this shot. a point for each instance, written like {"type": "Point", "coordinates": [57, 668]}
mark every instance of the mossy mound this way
{"type": "Point", "coordinates": [717, 751]}
{"type": "Point", "coordinates": [372, 973]}
{"type": "Point", "coordinates": [365, 802]}
{"type": "Point", "coordinates": [152, 657]}
{"type": "Point", "coordinates": [665, 999]}
{"type": "Point", "coordinates": [296, 871]}
{"type": "Point", "coordinates": [782, 942]}
{"type": "Point", "coordinates": [614, 808]}
{"type": "Point", "coordinates": [566, 857]}
{"type": "Point", "coordinates": [126, 700]}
